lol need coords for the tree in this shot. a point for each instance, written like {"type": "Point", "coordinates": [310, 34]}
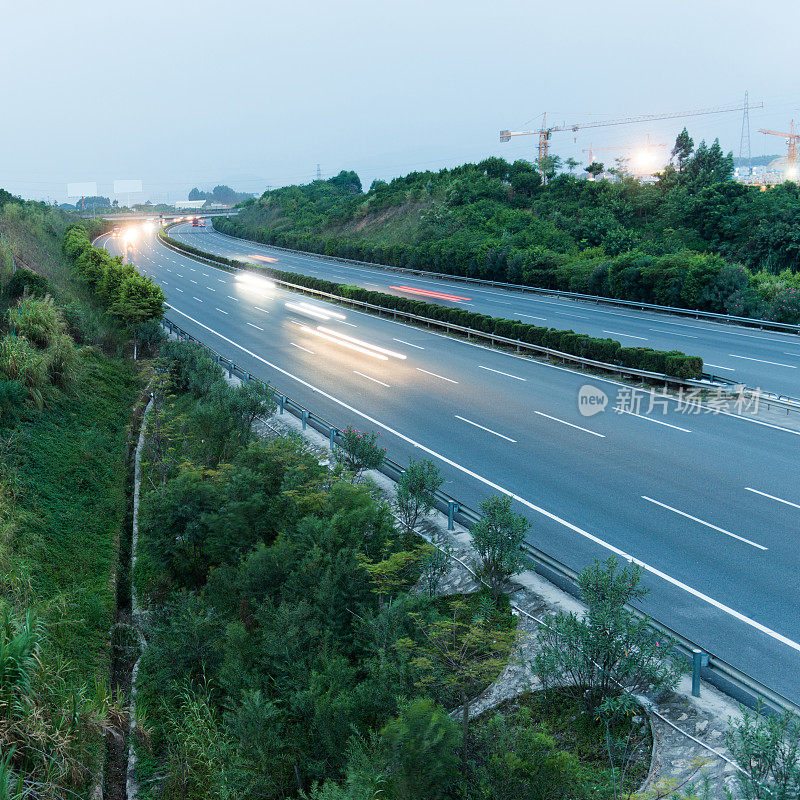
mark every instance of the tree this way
{"type": "Point", "coordinates": [357, 451]}
{"type": "Point", "coordinates": [594, 169]}
{"type": "Point", "coordinates": [460, 652]}
{"type": "Point", "coordinates": [681, 152]}
{"type": "Point", "coordinates": [571, 164]}
{"type": "Point", "coordinates": [391, 574]}
{"type": "Point", "coordinates": [416, 492]}
{"type": "Point", "coordinates": [139, 300]}
{"type": "Point", "coordinates": [435, 565]}
{"type": "Point", "coordinates": [422, 751]}
{"type": "Point", "coordinates": [609, 651]}
{"type": "Point", "coordinates": [497, 537]}
{"type": "Point", "coordinates": [548, 166]}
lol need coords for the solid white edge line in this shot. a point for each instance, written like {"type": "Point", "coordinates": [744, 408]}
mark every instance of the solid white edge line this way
{"type": "Point", "coordinates": [564, 422]}
{"type": "Point", "coordinates": [703, 522]}
{"type": "Point", "coordinates": [488, 430]}
{"type": "Point", "coordinates": [778, 637]}
{"type": "Point", "coordinates": [370, 378]}
{"type": "Point", "coordinates": [772, 497]}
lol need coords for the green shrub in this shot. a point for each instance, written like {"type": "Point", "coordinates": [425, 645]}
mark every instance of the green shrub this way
{"type": "Point", "coordinates": [39, 320]}
{"type": "Point", "coordinates": [516, 759]}
{"type": "Point", "coordinates": [23, 281]}
{"type": "Point", "coordinates": [422, 747]}
{"type": "Point", "coordinates": [21, 361]}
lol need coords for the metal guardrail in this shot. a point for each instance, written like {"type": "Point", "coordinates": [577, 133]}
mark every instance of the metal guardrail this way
{"type": "Point", "coordinates": [470, 333]}
{"type": "Point", "coordinates": [518, 287]}
{"type": "Point", "coordinates": [730, 680]}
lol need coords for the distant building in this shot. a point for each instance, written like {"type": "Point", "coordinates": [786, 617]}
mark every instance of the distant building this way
{"type": "Point", "coordinates": [197, 205]}
{"type": "Point", "coordinates": [189, 204]}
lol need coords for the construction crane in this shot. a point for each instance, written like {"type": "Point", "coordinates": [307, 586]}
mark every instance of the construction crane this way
{"type": "Point", "coordinates": [792, 138]}
{"type": "Point", "coordinates": [544, 133]}
{"type": "Point", "coordinates": [646, 148]}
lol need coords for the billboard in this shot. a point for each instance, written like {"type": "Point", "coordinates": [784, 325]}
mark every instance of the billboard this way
{"type": "Point", "coordinates": [84, 189]}
{"type": "Point", "coordinates": [127, 187]}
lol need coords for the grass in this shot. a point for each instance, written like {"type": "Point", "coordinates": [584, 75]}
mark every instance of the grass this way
{"type": "Point", "coordinates": [68, 469]}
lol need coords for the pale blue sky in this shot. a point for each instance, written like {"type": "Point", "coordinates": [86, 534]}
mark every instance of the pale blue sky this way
{"type": "Point", "coordinates": [255, 93]}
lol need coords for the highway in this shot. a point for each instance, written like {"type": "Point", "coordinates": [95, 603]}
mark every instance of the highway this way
{"type": "Point", "coordinates": [764, 359]}
{"type": "Point", "coordinates": [709, 502]}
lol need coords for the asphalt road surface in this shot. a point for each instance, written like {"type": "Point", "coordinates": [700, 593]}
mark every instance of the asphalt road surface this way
{"type": "Point", "coordinates": [708, 501]}
{"type": "Point", "coordinates": [761, 359]}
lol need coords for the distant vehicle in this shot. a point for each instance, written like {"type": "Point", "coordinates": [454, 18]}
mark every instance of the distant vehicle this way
{"type": "Point", "coordinates": [196, 222]}
{"type": "Point", "coordinates": [115, 231]}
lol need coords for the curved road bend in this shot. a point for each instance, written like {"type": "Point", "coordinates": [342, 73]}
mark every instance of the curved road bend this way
{"type": "Point", "coordinates": [709, 503]}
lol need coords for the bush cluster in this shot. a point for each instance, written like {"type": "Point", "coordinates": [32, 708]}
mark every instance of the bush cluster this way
{"type": "Point", "coordinates": [119, 287]}
{"type": "Point", "coordinates": [609, 351]}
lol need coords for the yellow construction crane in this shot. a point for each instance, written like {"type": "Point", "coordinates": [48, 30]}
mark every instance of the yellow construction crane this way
{"type": "Point", "coordinates": [544, 133]}
{"type": "Point", "coordinates": [792, 138]}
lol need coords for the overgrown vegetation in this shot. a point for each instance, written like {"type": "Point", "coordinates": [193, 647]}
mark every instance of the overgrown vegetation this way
{"type": "Point", "coordinates": [298, 641]}
{"type": "Point", "coordinates": [693, 238]}
{"type": "Point", "coordinates": [63, 431]}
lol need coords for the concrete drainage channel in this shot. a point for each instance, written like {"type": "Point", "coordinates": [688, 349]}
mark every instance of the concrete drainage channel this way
{"type": "Point", "coordinates": [706, 666]}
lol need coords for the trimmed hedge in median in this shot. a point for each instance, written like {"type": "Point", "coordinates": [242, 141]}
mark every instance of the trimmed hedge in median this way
{"type": "Point", "coordinates": [609, 351]}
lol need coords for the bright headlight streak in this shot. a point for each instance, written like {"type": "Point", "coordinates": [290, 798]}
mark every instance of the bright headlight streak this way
{"type": "Point", "coordinates": [330, 314]}
{"type": "Point", "coordinates": [311, 312]}
{"type": "Point", "coordinates": [341, 342]}
{"type": "Point", "coordinates": [360, 343]}
{"type": "Point", "coordinates": [254, 281]}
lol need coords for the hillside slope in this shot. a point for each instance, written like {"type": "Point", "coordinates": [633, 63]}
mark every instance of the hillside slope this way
{"type": "Point", "coordinates": [693, 238]}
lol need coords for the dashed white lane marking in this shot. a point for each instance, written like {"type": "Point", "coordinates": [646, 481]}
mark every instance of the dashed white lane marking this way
{"type": "Point", "coordinates": [369, 378]}
{"type": "Point", "coordinates": [449, 380]}
{"type": "Point", "coordinates": [761, 361]}
{"type": "Point", "coordinates": [408, 343]}
{"type": "Point", "coordinates": [772, 497]}
{"type": "Point", "coordinates": [255, 326]}
{"type": "Point", "coordinates": [222, 312]}
{"type": "Point", "coordinates": [300, 347]}
{"type": "Point", "coordinates": [703, 522]}
{"type": "Point", "coordinates": [657, 421]}
{"type": "Point", "coordinates": [629, 335]}
{"type": "Point", "coordinates": [488, 430]}
{"type": "Point", "coordinates": [498, 372]}
{"type": "Point", "coordinates": [571, 425]}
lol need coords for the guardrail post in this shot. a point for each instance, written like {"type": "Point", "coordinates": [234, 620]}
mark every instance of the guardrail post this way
{"type": "Point", "coordinates": [305, 418]}
{"type": "Point", "coordinates": [332, 434]}
{"type": "Point", "coordinates": [452, 507]}
{"type": "Point", "coordinates": [281, 401]}
{"type": "Point", "coordinates": [699, 660]}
